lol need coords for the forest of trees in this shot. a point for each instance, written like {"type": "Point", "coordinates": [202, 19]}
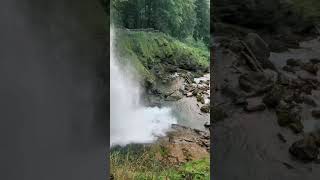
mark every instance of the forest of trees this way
{"type": "Point", "coordinates": [178, 18]}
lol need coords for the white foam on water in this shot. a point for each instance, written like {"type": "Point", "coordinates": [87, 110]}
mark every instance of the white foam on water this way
{"type": "Point", "coordinates": [130, 121]}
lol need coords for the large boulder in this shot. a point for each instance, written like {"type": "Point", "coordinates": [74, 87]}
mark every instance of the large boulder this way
{"type": "Point", "coordinates": [257, 82]}
{"type": "Point", "coordinates": [260, 49]}
{"type": "Point", "coordinates": [305, 149]}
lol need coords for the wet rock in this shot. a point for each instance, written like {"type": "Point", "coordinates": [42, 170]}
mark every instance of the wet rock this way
{"type": "Point", "coordinates": [196, 91]}
{"type": "Point", "coordinates": [311, 68]}
{"type": "Point", "coordinates": [289, 116]}
{"type": "Point", "coordinates": [309, 100]}
{"type": "Point", "coordinates": [207, 125]}
{"type": "Point", "coordinates": [316, 136]}
{"type": "Point", "coordinates": [316, 113]}
{"type": "Point", "coordinates": [296, 127]}
{"type": "Point", "coordinates": [205, 109]}
{"type": "Point", "coordinates": [218, 114]}
{"type": "Point", "coordinates": [200, 98]}
{"type": "Point", "coordinates": [189, 94]}
{"type": "Point", "coordinates": [231, 92]}
{"type": "Point", "coordinates": [281, 137]}
{"type": "Point", "coordinates": [174, 96]}
{"type": "Point", "coordinates": [273, 97]}
{"type": "Point", "coordinates": [305, 150]}
{"type": "Point", "coordinates": [240, 101]}
{"type": "Point", "coordinates": [254, 106]}
{"type": "Point", "coordinates": [294, 62]}
{"type": "Point", "coordinates": [283, 79]}
{"type": "Point", "coordinates": [314, 61]}
{"type": "Point", "coordinates": [257, 82]}
{"type": "Point", "coordinates": [289, 69]}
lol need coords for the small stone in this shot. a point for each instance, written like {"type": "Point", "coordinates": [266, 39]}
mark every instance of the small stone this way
{"type": "Point", "coordinates": [205, 109]}
{"type": "Point", "coordinates": [189, 94]}
{"type": "Point", "coordinates": [207, 125]}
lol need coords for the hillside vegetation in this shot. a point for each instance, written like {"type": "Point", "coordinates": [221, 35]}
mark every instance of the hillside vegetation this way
{"type": "Point", "coordinates": [143, 164]}
{"type": "Point", "coordinates": [153, 54]}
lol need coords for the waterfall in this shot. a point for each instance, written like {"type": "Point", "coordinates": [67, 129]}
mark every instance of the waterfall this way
{"type": "Point", "coordinates": [131, 121]}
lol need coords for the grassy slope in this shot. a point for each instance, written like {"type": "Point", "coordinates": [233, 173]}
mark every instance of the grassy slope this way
{"type": "Point", "coordinates": [143, 165]}
{"type": "Point", "coordinates": [147, 50]}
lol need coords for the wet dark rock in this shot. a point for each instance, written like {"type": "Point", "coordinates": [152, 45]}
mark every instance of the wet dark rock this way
{"type": "Point", "coordinates": [281, 137]}
{"type": "Point", "coordinates": [289, 116]}
{"type": "Point", "coordinates": [240, 101]}
{"type": "Point", "coordinates": [207, 125]}
{"type": "Point", "coordinates": [200, 98]}
{"type": "Point", "coordinates": [294, 62]}
{"type": "Point", "coordinates": [254, 107]}
{"type": "Point", "coordinates": [288, 69]}
{"type": "Point", "coordinates": [205, 109]}
{"type": "Point", "coordinates": [296, 127]}
{"type": "Point", "coordinates": [314, 61]}
{"type": "Point", "coordinates": [311, 68]}
{"type": "Point", "coordinates": [305, 150]}
{"type": "Point", "coordinates": [283, 79]}
{"type": "Point", "coordinates": [218, 114]}
{"type": "Point", "coordinates": [316, 136]}
{"type": "Point", "coordinates": [309, 100]}
{"type": "Point", "coordinates": [316, 113]}
{"type": "Point", "coordinates": [257, 82]}
{"type": "Point", "coordinates": [273, 97]}
{"type": "Point", "coordinates": [231, 92]}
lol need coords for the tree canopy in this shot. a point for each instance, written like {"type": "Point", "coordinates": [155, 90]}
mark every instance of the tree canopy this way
{"type": "Point", "coordinates": [178, 18]}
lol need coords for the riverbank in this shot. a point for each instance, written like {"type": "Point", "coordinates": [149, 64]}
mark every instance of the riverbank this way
{"type": "Point", "coordinates": [267, 102]}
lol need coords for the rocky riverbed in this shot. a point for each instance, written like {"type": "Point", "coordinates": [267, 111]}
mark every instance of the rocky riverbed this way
{"type": "Point", "coordinates": [266, 110]}
{"type": "Point", "coordinates": [189, 97]}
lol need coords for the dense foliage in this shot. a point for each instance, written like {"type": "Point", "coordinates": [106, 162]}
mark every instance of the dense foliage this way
{"type": "Point", "coordinates": [149, 52]}
{"type": "Point", "coordinates": [178, 18]}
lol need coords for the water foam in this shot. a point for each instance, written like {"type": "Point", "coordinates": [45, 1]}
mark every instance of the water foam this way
{"type": "Point", "coordinates": [131, 122]}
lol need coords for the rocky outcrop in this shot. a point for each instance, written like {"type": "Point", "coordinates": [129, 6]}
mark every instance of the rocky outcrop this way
{"type": "Point", "coordinates": [184, 144]}
{"type": "Point", "coordinates": [306, 149]}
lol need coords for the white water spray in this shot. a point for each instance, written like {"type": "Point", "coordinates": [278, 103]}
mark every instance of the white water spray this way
{"type": "Point", "coordinates": [131, 122]}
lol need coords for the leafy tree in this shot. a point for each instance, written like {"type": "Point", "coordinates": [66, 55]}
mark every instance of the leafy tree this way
{"type": "Point", "coordinates": [178, 18]}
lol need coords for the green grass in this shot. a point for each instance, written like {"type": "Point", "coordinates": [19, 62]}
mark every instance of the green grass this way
{"type": "Point", "coordinates": [146, 51]}
{"type": "Point", "coordinates": [142, 164]}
